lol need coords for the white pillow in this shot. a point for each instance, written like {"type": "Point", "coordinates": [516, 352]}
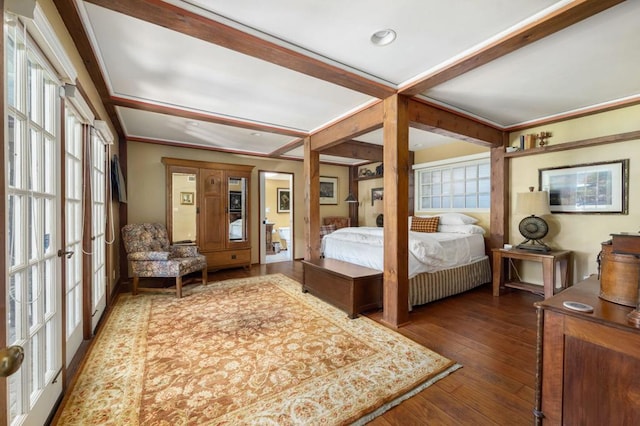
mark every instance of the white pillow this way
{"type": "Point", "coordinates": [461, 229]}
{"type": "Point", "coordinates": [456, 219]}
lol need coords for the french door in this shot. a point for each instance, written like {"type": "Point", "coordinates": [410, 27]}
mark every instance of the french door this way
{"type": "Point", "coordinates": [98, 227]}
{"type": "Point", "coordinates": [33, 302]}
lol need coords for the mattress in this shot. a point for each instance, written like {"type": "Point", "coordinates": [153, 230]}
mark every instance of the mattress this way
{"type": "Point", "coordinates": [428, 252]}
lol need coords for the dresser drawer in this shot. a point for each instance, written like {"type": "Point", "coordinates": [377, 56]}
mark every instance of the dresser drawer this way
{"type": "Point", "coordinates": [217, 259]}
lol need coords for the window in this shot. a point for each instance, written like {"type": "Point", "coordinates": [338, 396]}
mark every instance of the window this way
{"type": "Point", "coordinates": [462, 183]}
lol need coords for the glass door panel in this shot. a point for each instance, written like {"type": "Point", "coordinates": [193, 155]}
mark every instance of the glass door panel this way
{"type": "Point", "coordinates": [98, 229]}
{"type": "Point", "coordinates": [237, 207]}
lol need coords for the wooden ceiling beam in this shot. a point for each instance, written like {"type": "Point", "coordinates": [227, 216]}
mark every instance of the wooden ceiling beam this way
{"type": "Point", "coordinates": [200, 116]}
{"type": "Point", "coordinates": [562, 18]}
{"type": "Point", "coordinates": [357, 124]}
{"type": "Point", "coordinates": [437, 120]}
{"type": "Point", "coordinates": [183, 21]}
{"type": "Point", "coordinates": [356, 149]}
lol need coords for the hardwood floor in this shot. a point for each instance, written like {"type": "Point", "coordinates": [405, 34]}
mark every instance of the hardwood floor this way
{"type": "Point", "coordinates": [494, 340]}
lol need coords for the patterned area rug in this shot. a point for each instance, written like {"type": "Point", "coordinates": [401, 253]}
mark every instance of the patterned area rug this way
{"type": "Point", "coordinates": [244, 351]}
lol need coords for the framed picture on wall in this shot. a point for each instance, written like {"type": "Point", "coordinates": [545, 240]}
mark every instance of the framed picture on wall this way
{"type": "Point", "coordinates": [376, 194]}
{"type": "Point", "coordinates": [328, 190]}
{"type": "Point", "coordinates": [587, 188]}
{"type": "Point", "coordinates": [235, 200]}
{"type": "Point", "coordinates": [186, 198]}
{"type": "Point", "coordinates": [284, 200]}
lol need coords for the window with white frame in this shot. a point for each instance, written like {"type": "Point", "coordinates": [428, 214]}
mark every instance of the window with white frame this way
{"type": "Point", "coordinates": [462, 183]}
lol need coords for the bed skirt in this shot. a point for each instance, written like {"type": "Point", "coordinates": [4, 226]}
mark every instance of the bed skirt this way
{"type": "Point", "coordinates": [430, 286]}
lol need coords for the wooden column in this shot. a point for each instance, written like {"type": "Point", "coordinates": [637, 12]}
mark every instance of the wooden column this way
{"type": "Point", "coordinates": [311, 201]}
{"type": "Point", "coordinates": [354, 189]}
{"type": "Point", "coordinates": [396, 211]}
{"type": "Point", "coordinates": [499, 215]}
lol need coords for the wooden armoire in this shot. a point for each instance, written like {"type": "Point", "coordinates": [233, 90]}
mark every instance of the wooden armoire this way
{"type": "Point", "coordinates": [215, 212]}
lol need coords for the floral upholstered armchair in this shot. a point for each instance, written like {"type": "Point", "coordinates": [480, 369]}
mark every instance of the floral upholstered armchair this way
{"type": "Point", "coordinates": [151, 255]}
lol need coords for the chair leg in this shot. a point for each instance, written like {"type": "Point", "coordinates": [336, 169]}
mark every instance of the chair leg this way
{"type": "Point", "coordinates": [205, 276]}
{"type": "Point", "coordinates": [179, 287]}
{"type": "Point", "coordinates": [134, 290]}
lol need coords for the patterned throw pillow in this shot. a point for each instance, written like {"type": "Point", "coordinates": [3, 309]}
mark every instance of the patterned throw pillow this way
{"type": "Point", "coordinates": [326, 230]}
{"type": "Point", "coordinates": [425, 224]}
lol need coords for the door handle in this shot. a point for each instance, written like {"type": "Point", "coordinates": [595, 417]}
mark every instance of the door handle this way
{"type": "Point", "coordinates": [67, 253]}
{"type": "Point", "coordinates": [10, 360]}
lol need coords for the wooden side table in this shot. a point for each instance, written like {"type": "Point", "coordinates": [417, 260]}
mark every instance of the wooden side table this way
{"type": "Point", "coordinates": [549, 260]}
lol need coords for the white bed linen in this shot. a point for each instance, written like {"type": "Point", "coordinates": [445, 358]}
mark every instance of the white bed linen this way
{"type": "Point", "coordinates": [428, 252]}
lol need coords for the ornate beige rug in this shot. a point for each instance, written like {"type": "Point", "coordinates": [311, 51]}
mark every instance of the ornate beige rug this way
{"type": "Point", "coordinates": [245, 351]}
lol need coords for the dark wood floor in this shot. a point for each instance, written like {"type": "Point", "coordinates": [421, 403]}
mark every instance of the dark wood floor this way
{"type": "Point", "coordinates": [494, 340]}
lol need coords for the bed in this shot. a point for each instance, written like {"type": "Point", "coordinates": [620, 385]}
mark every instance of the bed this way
{"type": "Point", "coordinates": [441, 264]}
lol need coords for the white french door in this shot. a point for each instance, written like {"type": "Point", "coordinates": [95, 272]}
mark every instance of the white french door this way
{"type": "Point", "coordinates": [74, 141]}
{"type": "Point", "coordinates": [33, 300]}
{"type": "Point", "coordinates": [98, 228]}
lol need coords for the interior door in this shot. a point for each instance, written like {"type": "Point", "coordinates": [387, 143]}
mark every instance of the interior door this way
{"type": "Point", "coordinates": [33, 293]}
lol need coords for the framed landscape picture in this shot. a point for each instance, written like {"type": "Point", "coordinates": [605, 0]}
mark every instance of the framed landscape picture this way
{"type": "Point", "coordinates": [328, 190]}
{"type": "Point", "coordinates": [587, 188]}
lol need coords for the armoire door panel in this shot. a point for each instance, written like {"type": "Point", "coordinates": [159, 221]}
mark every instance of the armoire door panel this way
{"type": "Point", "coordinates": [212, 229]}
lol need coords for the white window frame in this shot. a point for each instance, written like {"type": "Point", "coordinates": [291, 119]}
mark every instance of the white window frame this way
{"type": "Point", "coordinates": [477, 160]}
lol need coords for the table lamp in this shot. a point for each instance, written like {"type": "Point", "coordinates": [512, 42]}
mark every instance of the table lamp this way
{"type": "Point", "coordinates": [533, 228]}
{"type": "Point", "coordinates": [378, 209]}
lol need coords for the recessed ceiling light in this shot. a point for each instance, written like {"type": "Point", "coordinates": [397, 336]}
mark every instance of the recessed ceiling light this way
{"type": "Point", "coordinates": [193, 123]}
{"type": "Point", "coordinates": [256, 134]}
{"type": "Point", "coordinates": [383, 37]}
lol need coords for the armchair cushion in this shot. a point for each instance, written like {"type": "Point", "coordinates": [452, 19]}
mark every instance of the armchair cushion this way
{"type": "Point", "coordinates": [183, 251]}
{"type": "Point", "coordinates": [149, 255]}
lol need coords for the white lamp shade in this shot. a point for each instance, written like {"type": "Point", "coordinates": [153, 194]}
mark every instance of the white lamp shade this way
{"type": "Point", "coordinates": [378, 206]}
{"type": "Point", "coordinates": [533, 203]}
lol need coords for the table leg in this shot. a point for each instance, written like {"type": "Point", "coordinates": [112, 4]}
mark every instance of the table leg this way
{"type": "Point", "coordinates": [498, 278]}
{"type": "Point", "coordinates": [549, 276]}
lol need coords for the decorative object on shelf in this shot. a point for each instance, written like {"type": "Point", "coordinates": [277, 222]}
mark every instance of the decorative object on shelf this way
{"type": "Point", "coordinates": [365, 172]}
{"type": "Point", "coordinates": [380, 170]}
{"type": "Point", "coordinates": [627, 243]}
{"type": "Point", "coordinates": [378, 210]}
{"type": "Point", "coordinates": [530, 141]}
{"type": "Point", "coordinates": [328, 190]}
{"type": "Point", "coordinates": [587, 188]}
{"type": "Point", "coordinates": [533, 228]}
{"type": "Point", "coordinates": [542, 138]}
{"type": "Point", "coordinates": [376, 194]}
{"type": "Point", "coordinates": [284, 200]}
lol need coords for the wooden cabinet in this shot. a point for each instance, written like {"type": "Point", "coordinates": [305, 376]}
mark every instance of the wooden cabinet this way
{"type": "Point", "coordinates": [588, 363]}
{"type": "Point", "coordinates": [221, 210]}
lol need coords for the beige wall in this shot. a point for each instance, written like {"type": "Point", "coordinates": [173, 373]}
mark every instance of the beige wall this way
{"type": "Point", "coordinates": [146, 186]}
{"type": "Point", "coordinates": [271, 202]}
{"type": "Point", "coordinates": [581, 233]}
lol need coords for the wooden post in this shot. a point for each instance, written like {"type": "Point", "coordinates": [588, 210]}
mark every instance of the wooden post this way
{"type": "Point", "coordinates": [396, 211]}
{"type": "Point", "coordinates": [311, 201]}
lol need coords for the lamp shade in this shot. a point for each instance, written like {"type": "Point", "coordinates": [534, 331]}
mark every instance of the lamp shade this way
{"type": "Point", "coordinates": [378, 206]}
{"type": "Point", "coordinates": [533, 203]}
{"type": "Point", "coordinates": [351, 199]}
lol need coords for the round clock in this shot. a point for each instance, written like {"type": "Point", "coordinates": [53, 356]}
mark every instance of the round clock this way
{"type": "Point", "coordinates": [533, 228]}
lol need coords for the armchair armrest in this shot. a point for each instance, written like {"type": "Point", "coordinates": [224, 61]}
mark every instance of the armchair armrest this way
{"type": "Point", "coordinates": [183, 251]}
{"type": "Point", "coordinates": [148, 255]}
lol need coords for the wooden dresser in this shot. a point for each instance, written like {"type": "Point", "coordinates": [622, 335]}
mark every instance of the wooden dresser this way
{"type": "Point", "coordinates": [588, 363]}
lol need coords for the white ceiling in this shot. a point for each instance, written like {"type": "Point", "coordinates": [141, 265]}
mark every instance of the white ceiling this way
{"type": "Point", "coordinates": [591, 63]}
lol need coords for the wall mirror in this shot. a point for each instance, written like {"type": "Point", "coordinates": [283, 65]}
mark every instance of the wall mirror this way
{"type": "Point", "coordinates": [237, 206]}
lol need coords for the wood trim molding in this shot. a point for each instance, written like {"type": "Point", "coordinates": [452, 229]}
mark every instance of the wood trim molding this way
{"type": "Point", "coordinates": [584, 143]}
{"type": "Point", "coordinates": [200, 116]}
{"type": "Point", "coordinates": [356, 149]}
{"type": "Point", "coordinates": [562, 18]}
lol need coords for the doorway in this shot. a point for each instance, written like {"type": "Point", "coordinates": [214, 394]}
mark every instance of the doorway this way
{"type": "Point", "coordinates": [276, 217]}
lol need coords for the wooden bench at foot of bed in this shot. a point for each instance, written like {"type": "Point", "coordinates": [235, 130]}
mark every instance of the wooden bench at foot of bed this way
{"type": "Point", "coordinates": [351, 288]}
